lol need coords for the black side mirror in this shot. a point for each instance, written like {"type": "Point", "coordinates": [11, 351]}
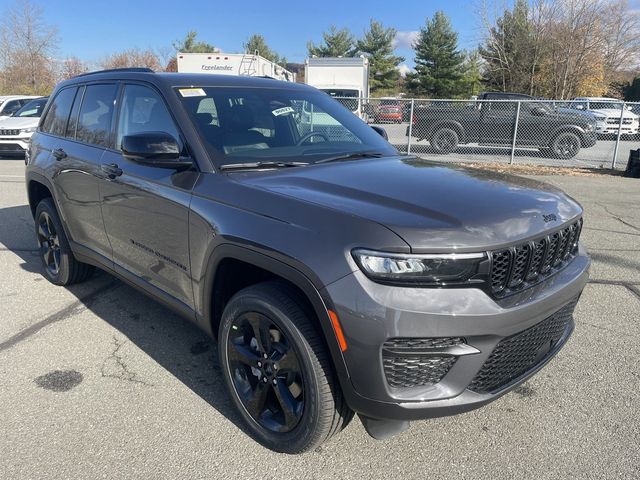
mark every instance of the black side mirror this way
{"type": "Point", "coordinates": [380, 131]}
{"type": "Point", "coordinates": [156, 149]}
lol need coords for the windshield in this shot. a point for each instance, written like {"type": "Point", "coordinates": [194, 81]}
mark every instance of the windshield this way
{"type": "Point", "coordinates": [344, 96]}
{"type": "Point", "coordinates": [32, 109]}
{"type": "Point", "coordinates": [241, 125]}
{"type": "Point", "coordinates": [605, 105]}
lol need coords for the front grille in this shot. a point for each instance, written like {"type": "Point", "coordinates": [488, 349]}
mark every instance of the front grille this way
{"type": "Point", "coordinates": [8, 132]}
{"type": "Point", "coordinates": [526, 264]}
{"type": "Point", "coordinates": [516, 355]}
{"type": "Point", "coordinates": [10, 147]}
{"type": "Point", "coordinates": [408, 363]}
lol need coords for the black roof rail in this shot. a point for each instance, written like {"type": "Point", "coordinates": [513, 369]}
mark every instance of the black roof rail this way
{"type": "Point", "coordinates": [131, 69]}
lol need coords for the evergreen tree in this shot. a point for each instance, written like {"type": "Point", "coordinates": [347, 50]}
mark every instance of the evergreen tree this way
{"type": "Point", "coordinates": [377, 45]}
{"type": "Point", "coordinates": [337, 43]}
{"type": "Point", "coordinates": [190, 45]}
{"type": "Point", "coordinates": [510, 52]}
{"type": "Point", "coordinates": [472, 76]}
{"type": "Point", "coordinates": [439, 63]}
{"type": "Point", "coordinates": [257, 43]}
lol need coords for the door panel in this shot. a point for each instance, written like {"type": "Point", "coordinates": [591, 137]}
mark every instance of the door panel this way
{"type": "Point", "coordinates": [146, 208]}
{"type": "Point", "coordinates": [78, 192]}
{"type": "Point", "coordinates": [146, 215]}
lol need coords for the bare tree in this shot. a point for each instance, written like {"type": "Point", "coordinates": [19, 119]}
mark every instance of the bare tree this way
{"type": "Point", "coordinates": [567, 47]}
{"type": "Point", "coordinates": [27, 45]}
{"type": "Point", "coordinates": [133, 57]}
{"type": "Point", "coordinates": [72, 67]}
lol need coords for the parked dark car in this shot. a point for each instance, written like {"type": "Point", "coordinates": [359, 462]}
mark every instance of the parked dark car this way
{"type": "Point", "coordinates": [557, 134]}
{"type": "Point", "coordinates": [336, 275]}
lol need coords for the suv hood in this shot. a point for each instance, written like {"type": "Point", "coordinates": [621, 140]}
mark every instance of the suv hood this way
{"type": "Point", "coordinates": [19, 122]}
{"type": "Point", "coordinates": [615, 113]}
{"type": "Point", "coordinates": [433, 207]}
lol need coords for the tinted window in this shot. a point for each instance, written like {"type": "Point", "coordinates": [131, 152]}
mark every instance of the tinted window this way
{"type": "Point", "coordinates": [94, 121]}
{"type": "Point", "coordinates": [73, 118]}
{"type": "Point", "coordinates": [55, 122]}
{"type": "Point", "coordinates": [143, 110]}
{"type": "Point", "coordinates": [240, 125]}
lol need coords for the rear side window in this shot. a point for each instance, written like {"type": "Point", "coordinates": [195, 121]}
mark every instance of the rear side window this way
{"type": "Point", "coordinates": [55, 122]}
{"type": "Point", "coordinates": [94, 120]}
{"type": "Point", "coordinates": [143, 110]}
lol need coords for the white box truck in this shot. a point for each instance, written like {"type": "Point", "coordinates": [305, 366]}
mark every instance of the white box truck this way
{"type": "Point", "coordinates": [341, 77]}
{"type": "Point", "coordinates": [250, 64]}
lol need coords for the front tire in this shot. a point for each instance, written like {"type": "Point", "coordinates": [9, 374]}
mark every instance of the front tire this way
{"type": "Point", "coordinates": [278, 371]}
{"type": "Point", "coordinates": [60, 267]}
{"type": "Point", "coordinates": [565, 145]}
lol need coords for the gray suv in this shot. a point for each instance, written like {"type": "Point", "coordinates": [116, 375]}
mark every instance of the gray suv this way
{"type": "Point", "coordinates": [336, 275]}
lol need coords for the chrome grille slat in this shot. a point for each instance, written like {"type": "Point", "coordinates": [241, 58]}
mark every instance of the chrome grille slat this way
{"type": "Point", "coordinates": [525, 264]}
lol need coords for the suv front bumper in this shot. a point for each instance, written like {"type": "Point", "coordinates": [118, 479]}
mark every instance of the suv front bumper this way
{"type": "Point", "coordinates": [372, 314]}
{"type": "Point", "coordinates": [13, 145]}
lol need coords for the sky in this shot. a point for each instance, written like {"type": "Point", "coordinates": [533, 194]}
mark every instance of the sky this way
{"type": "Point", "coordinates": [92, 30]}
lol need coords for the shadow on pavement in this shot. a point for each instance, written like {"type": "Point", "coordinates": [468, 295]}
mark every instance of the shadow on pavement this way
{"type": "Point", "coordinates": [173, 342]}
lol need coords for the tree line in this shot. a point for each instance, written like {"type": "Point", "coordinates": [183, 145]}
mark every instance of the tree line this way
{"type": "Point", "coordinates": [552, 48]}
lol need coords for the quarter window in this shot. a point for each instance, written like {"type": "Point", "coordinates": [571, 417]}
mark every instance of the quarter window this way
{"type": "Point", "coordinates": [55, 122]}
{"type": "Point", "coordinates": [94, 121]}
{"type": "Point", "coordinates": [143, 110]}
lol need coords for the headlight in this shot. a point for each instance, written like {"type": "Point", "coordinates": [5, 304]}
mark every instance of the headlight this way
{"type": "Point", "coordinates": [589, 128]}
{"type": "Point", "coordinates": [427, 269]}
{"type": "Point", "coordinates": [28, 130]}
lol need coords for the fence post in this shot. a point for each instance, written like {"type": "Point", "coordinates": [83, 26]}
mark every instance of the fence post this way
{"type": "Point", "coordinates": [615, 150]}
{"type": "Point", "coordinates": [515, 133]}
{"type": "Point", "coordinates": [410, 128]}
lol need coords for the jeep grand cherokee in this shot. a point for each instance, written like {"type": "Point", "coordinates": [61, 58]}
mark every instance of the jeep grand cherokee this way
{"type": "Point", "coordinates": [336, 275]}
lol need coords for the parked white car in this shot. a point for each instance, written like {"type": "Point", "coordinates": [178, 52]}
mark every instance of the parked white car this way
{"type": "Point", "coordinates": [16, 131]}
{"type": "Point", "coordinates": [606, 112]}
{"type": "Point", "coordinates": [10, 104]}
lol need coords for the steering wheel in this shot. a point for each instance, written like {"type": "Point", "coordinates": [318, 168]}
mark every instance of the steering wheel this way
{"type": "Point", "coordinates": [309, 135]}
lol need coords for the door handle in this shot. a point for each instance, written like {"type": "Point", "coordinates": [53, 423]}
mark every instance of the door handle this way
{"type": "Point", "coordinates": [112, 170]}
{"type": "Point", "coordinates": [59, 153]}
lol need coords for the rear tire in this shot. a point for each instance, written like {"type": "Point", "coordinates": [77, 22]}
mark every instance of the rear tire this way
{"type": "Point", "coordinates": [278, 370]}
{"type": "Point", "coordinates": [444, 140]}
{"type": "Point", "coordinates": [60, 267]}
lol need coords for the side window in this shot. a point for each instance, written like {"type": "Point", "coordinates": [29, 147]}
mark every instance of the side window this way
{"type": "Point", "coordinates": [55, 122]}
{"type": "Point", "coordinates": [12, 107]}
{"type": "Point", "coordinates": [143, 110]}
{"type": "Point", "coordinates": [94, 120]}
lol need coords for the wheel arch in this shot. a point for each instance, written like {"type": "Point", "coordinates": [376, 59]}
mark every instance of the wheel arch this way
{"type": "Point", "coordinates": [580, 132]}
{"type": "Point", "coordinates": [231, 267]}
{"type": "Point", "coordinates": [456, 126]}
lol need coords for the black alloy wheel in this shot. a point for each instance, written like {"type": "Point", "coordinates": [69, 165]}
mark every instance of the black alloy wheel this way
{"type": "Point", "coordinates": [266, 373]}
{"type": "Point", "coordinates": [49, 242]}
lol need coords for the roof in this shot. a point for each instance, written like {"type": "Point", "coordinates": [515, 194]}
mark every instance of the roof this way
{"type": "Point", "coordinates": [11, 97]}
{"type": "Point", "coordinates": [172, 79]}
{"type": "Point", "coordinates": [599, 99]}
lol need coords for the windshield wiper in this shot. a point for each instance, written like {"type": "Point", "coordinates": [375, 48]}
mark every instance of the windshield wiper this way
{"type": "Point", "coordinates": [350, 156]}
{"type": "Point", "coordinates": [254, 165]}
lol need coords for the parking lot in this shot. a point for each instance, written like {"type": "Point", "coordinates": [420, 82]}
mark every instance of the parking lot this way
{"type": "Point", "coordinates": [98, 381]}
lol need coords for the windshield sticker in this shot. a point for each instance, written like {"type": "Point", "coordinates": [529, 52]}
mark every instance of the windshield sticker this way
{"type": "Point", "coordinates": [192, 92]}
{"type": "Point", "coordinates": [282, 111]}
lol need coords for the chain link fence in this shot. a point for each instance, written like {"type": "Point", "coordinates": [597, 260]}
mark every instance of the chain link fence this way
{"type": "Point", "coordinates": [588, 134]}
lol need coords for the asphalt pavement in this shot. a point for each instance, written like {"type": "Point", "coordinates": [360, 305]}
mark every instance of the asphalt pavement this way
{"type": "Point", "coordinates": [98, 381]}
